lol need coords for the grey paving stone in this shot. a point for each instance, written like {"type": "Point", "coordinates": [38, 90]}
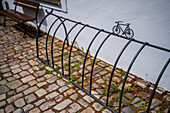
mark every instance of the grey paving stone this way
{"type": "Point", "coordinates": [2, 96]}
{"type": "Point", "coordinates": [62, 89]}
{"type": "Point", "coordinates": [97, 106]}
{"type": "Point", "coordinates": [15, 97]}
{"type": "Point", "coordinates": [18, 111]}
{"type": "Point", "coordinates": [2, 111]}
{"type": "Point", "coordinates": [60, 82]}
{"type": "Point", "coordinates": [129, 95]}
{"type": "Point", "coordinates": [47, 105]}
{"type": "Point", "coordinates": [14, 84]}
{"type": "Point", "coordinates": [74, 96]}
{"type": "Point", "coordinates": [40, 73]}
{"type": "Point", "coordinates": [3, 82]}
{"type": "Point", "coordinates": [82, 102]}
{"type": "Point", "coordinates": [27, 78]}
{"type": "Point", "coordinates": [2, 103]}
{"type": "Point", "coordinates": [22, 88]}
{"type": "Point", "coordinates": [51, 95]}
{"type": "Point", "coordinates": [30, 98]}
{"type": "Point", "coordinates": [59, 98]}
{"type": "Point", "coordinates": [88, 99]}
{"type": "Point", "coordinates": [49, 111]}
{"type": "Point", "coordinates": [30, 90]}
{"type": "Point", "coordinates": [19, 103]}
{"type": "Point", "coordinates": [52, 79]}
{"type": "Point", "coordinates": [129, 109]}
{"type": "Point", "coordinates": [3, 89]}
{"type": "Point", "coordinates": [41, 84]}
{"type": "Point", "coordinates": [74, 108]}
{"type": "Point", "coordinates": [9, 108]}
{"type": "Point", "coordinates": [28, 107]}
{"type": "Point", "coordinates": [88, 110]}
{"type": "Point", "coordinates": [63, 104]}
{"type": "Point", "coordinates": [39, 102]}
{"type": "Point", "coordinates": [52, 87]}
{"type": "Point", "coordinates": [155, 103]}
{"type": "Point", "coordinates": [35, 110]}
{"type": "Point", "coordinates": [136, 100]}
{"type": "Point", "coordinates": [41, 92]}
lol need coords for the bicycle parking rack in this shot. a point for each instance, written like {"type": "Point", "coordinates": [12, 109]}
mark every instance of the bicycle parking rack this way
{"type": "Point", "coordinates": [62, 21]}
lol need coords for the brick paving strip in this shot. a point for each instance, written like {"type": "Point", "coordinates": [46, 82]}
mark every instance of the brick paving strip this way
{"type": "Point", "coordinates": [27, 85]}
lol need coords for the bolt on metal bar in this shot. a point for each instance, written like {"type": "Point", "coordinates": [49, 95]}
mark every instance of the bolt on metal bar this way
{"type": "Point", "coordinates": [63, 47]}
{"type": "Point", "coordinates": [53, 41]}
{"type": "Point", "coordinates": [156, 84]}
{"type": "Point", "coordinates": [129, 68]}
{"type": "Point", "coordinates": [87, 54]}
{"type": "Point", "coordinates": [69, 61]}
{"type": "Point", "coordinates": [95, 60]}
{"type": "Point", "coordinates": [114, 67]}
{"type": "Point", "coordinates": [47, 39]}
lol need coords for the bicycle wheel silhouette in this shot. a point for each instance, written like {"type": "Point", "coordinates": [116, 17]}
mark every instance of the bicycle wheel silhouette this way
{"type": "Point", "coordinates": [116, 30]}
{"type": "Point", "coordinates": [129, 33]}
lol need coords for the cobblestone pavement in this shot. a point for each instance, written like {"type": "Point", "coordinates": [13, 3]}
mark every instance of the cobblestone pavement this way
{"type": "Point", "coordinates": [27, 85]}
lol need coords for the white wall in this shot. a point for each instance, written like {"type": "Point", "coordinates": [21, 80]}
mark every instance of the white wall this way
{"type": "Point", "coordinates": [150, 20]}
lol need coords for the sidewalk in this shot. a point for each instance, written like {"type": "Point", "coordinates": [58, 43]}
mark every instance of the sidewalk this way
{"type": "Point", "coordinates": [27, 85]}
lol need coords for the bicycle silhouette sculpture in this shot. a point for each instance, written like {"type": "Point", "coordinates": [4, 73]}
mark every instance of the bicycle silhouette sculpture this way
{"type": "Point", "coordinates": [127, 31]}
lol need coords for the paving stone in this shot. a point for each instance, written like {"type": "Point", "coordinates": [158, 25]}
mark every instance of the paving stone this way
{"type": "Point", "coordinates": [28, 107]}
{"type": "Point", "coordinates": [5, 70]}
{"type": "Point", "coordinates": [106, 111]}
{"type": "Point", "coordinates": [88, 110]}
{"type": "Point", "coordinates": [69, 92]}
{"type": "Point", "coordinates": [3, 82]}
{"type": "Point", "coordinates": [142, 84]}
{"type": "Point", "coordinates": [51, 95]}
{"type": "Point", "coordinates": [41, 92]}
{"type": "Point", "coordinates": [2, 103]}
{"type": "Point", "coordinates": [52, 79]}
{"type": "Point", "coordinates": [74, 108]}
{"type": "Point", "coordinates": [60, 82]}
{"type": "Point", "coordinates": [129, 109]}
{"type": "Point", "coordinates": [136, 100]}
{"type": "Point", "coordinates": [21, 88]}
{"type": "Point", "coordinates": [129, 95]}
{"type": "Point", "coordinates": [27, 78]}
{"type": "Point", "coordinates": [39, 102]}
{"type": "Point", "coordinates": [52, 87]}
{"type": "Point", "coordinates": [49, 111]}
{"type": "Point", "coordinates": [35, 110]}
{"type": "Point", "coordinates": [2, 96]}
{"type": "Point", "coordinates": [15, 66]}
{"type": "Point", "coordinates": [95, 85]}
{"type": "Point", "coordinates": [74, 96]}
{"type": "Point", "coordinates": [100, 81]}
{"type": "Point", "coordinates": [41, 84]}
{"type": "Point", "coordinates": [33, 63]}
{"type": "Point", "coordinates": [41, 79]}
{"type": "Point", "coordinates": [30, 98]}
{"type": "Point", "coordinates": [97, 70]}
{"type": "Point", "coordinates": [10, 79]}
{"type": "Point", "coordinates": [2, 111]}
{"type": "Point", "coordinates": [33, 82]}
{"type": "Point", "coordinates": [82, 102]}
{"type": "Point", "coordinates": [40, 73]}
{"type": "Point", "coordinates": [3, 89]}
{"type": "Point", "coordinates": [8, 74]}
{"type": "Point", "coordinates": [14, 84]}
{"type": "Point", "coordinates": [155, 103]}
{"type": "Point", "coordinates": [62, 89]}
{"type": "Point", "coordinates": [15, 97]}
{"type": "Point", "coordinates": [18, 111]}
{"type": "Point", "coordinates": [63, 104]}
{"type": "Point", "coordinates": [17, 70]}
{"type": "Point", "coordinates": [97, 106]}
{"type": "Point", "coordinates": [24, 73]}
{"type": "Point", "coordinates": [20, 102]}
{"type": "Point", "coordinates": [81, 92]}
{"type": "Point", "coordinates": [30, 90]}
{"type": "Point", "coordinates": [47, 105]}
{"type": "Point", "coordinates": [25, 67]}
{"type": "Point", "coordinates": [59, 98]}
{"type": "Point", "coordinates": [30, 70]}
{"type": "Point", "coordinates": [88, 99]}
{"type": "Point", "coordinates": [144, 95]}
{"type": "Point", "coordinates": [126, 85]}
{"type": "Point", "coordinates": [9, 108]}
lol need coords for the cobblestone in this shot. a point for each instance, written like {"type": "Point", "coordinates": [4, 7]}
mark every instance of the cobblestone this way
{"type": "Point", "coordinates": [2, 96]}
{"type": "Point", "coordinates": [30, 98]}
{"type": "Point", "coordinates": [41, 92]}
{"type": "Point", "coordinates": [27, 78]}
{"type": "Point", "coordinates": [20, 102]}
{"type": "Point", "coordinates": [28, 107]}
{"type": "Point", "coordinates": [51, 95]}
{"type": "Point", "coordinates": [9, 108]}
{"type": "Point", "coordinates": [97, 106]}
{"type": "Point", "coordinates": [74, 108]}
{"type": "Point", "coordinates": [47, 105]}
{"type": "Point", "coordinates": [30, 90]}
{"type": "Point", "coordinates": [15, 97]}
{"type": "Point", "coordinates": [14, 84]}
{"type": "Point", "coordinates": [63, 104]}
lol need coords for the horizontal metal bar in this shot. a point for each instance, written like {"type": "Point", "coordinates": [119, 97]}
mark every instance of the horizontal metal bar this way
{"type": "Point", "coordinates": [138, 41]}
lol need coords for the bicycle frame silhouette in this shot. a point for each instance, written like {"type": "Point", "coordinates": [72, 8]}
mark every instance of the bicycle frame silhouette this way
{"type": "Point", "coordinates": [127, 31]}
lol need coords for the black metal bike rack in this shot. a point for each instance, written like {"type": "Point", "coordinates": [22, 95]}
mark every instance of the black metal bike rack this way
{"type": "Point", "coordinates": [62, 21]}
